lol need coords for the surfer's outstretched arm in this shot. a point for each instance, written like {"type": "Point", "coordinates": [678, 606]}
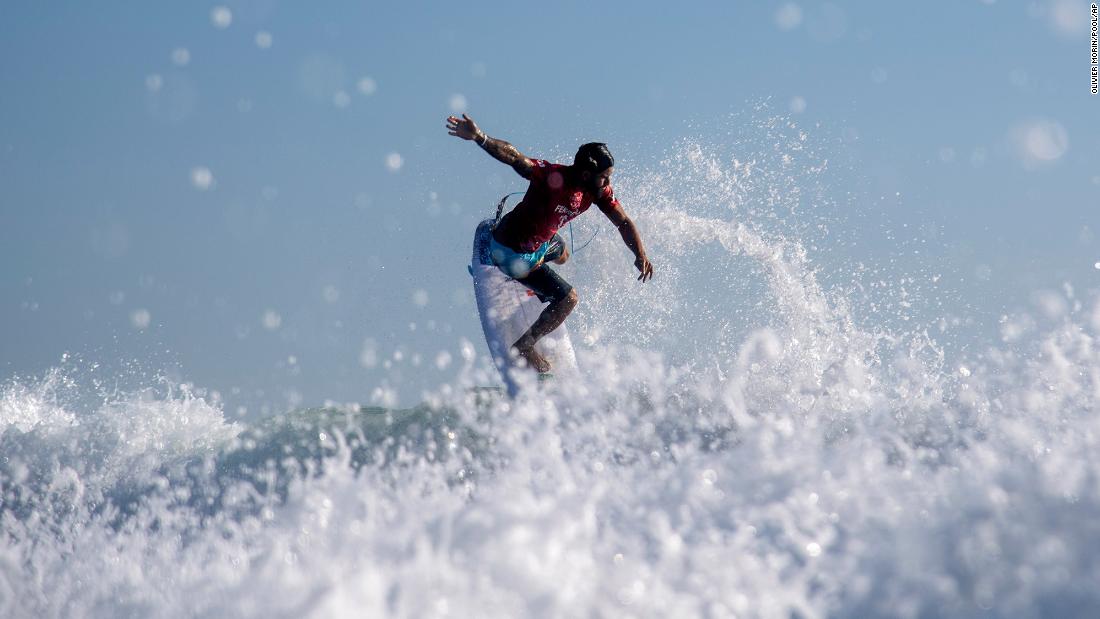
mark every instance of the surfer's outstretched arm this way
{"type": "Point", "coordinates": [631, 237]}
{"type": "Point", "coordinates": [502, 151]}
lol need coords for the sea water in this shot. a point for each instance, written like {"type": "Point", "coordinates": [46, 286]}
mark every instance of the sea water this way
{"type": "Point", "coordinates": [748, 440]}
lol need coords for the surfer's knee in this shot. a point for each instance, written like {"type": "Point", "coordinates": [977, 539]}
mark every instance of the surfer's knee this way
{"type": "Point", "coordinates": [570, 300]}
{"type": "Point", "coordinates": [564, 257]}
{"type": "Point", "coordinates": [565, 301]}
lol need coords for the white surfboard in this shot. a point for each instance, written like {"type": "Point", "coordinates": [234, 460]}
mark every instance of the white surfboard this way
{"type": "Point", "coordinates": [507, 309]}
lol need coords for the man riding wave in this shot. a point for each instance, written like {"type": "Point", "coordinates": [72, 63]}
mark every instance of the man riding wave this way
{"type": "Point", "coordinates": [526, 238]}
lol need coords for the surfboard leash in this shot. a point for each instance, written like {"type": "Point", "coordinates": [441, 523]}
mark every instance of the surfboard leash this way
{"type": "Point", "coordinates": [500, 206]}
{"type": "Point", "coordinates": [572, 238]}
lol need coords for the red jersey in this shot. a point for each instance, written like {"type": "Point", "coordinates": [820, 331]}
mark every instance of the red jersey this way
{"type": "Point", "coordinates": [550, 203]}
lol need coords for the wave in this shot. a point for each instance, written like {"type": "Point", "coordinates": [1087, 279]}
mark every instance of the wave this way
{"type": "Point", "coordinates": [800, 461]}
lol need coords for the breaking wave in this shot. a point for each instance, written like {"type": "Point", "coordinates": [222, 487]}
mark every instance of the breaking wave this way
{"type": "Point", "coordinates": [797, 461]}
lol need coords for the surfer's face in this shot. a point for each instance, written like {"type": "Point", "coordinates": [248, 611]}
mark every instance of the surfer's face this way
{"type": "Point", "coordinates": [596, 182]}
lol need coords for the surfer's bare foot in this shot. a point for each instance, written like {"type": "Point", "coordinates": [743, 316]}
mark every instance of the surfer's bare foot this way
{"type": "Point", "coordinates": [526, 350]}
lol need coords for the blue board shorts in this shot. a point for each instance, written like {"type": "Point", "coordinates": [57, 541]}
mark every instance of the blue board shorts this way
{"type": "Point", "coordinates": [530, 268]}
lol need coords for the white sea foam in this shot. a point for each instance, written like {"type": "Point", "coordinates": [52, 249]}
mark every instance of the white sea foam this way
{"type": "Point", "coordinates": [801, 461]}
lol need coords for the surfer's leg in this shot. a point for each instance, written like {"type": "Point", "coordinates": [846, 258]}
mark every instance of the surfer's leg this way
{"type": "Point", "coordinates": [549, 286]}
{"type": "Point", "coordinates": [551, 318]}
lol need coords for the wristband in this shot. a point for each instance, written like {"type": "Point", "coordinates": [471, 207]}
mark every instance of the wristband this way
{"type": "Point", "coordinates": [484, 139]}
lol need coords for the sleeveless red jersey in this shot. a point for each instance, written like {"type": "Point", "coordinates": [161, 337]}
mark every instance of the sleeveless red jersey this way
{"type": "Point", "coordinates": [549, 204]}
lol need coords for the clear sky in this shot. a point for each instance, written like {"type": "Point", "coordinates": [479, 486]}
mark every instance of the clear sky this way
{"type": "Point", "coordinates": [260, 197]}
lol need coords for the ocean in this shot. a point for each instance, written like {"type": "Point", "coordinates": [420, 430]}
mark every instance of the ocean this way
{"type": "Point", "coordinates": [764, 433]}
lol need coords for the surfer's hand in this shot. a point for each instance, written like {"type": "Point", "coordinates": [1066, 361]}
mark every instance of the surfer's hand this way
{"type": "Point", "coordinates": [464, 127]}
{"type": "Point", "coordinates": [644, 267]}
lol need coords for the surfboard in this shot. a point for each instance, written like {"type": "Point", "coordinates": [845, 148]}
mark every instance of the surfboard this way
{"type": "Point", "coordinates": [507, 309]}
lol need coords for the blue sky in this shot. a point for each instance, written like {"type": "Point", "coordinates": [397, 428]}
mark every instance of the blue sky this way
{"type": "Point", "coordinates": [257, 196]}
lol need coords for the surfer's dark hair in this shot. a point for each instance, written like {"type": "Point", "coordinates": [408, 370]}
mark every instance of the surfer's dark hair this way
{"type": "Point", "coordinates": [593, 157]}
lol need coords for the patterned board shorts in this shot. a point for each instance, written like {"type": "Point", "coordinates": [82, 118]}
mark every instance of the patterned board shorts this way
{"type": "Point", "coordinates": [530, 268]}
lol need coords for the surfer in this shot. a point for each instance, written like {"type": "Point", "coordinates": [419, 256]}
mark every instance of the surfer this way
{"type": "Point", "coordinates": [526, 238]}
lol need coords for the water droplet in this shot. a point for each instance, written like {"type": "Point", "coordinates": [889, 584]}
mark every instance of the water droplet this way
{"type": "Point", "coordinates": [202, 178]}
{"type": "Point", "coordinates": [368, 356]}
{"type": "Point", "coordinates": [394, 161]}
{"type": "Point", "coordinates": [271, 320]}
{"type": "Point", "coordinates": [789, 16]}
{"type": "Point", "coordinates": [140, 319]}
{"type": "Point", "coordinates": [221, 17]}
{"type": "Point", "coordinates": [181, 57]}
{"type": "Point", "coordinates": [368, 86]}
{"type": "Point", "coordinates": [443, 360]}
